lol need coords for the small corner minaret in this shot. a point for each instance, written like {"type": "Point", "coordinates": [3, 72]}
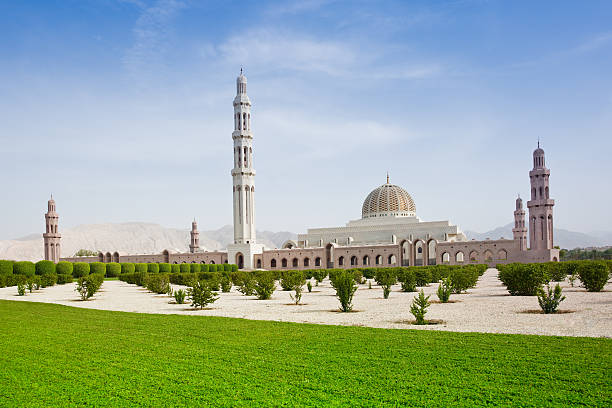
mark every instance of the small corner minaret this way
{"type": "Point", "coordinates": [194, 246]}
{"type": "Point", "coordinates": [540, 206]}
{"type": "Point", "coordinates": [519, 231]}
{"type": "Point", "coordinates": [51, 236]}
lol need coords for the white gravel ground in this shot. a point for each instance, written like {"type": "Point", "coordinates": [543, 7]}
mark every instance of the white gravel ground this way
{"type": "Point", "coordinates": [486, 308]}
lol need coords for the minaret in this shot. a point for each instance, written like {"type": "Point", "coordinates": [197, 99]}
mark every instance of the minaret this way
{"type": "Point", "coordinates": [51, 236]}
{"type": "Point", "coordinates": [540, 206]}
{"type": "Point", "coordinates": [243, 174]}
{"type": "Point", "coordinates": [243, 179]}
{"type": "Point", "coordinates": [194, 246]}
{"type": "Point", "coordinates": [520, 231]}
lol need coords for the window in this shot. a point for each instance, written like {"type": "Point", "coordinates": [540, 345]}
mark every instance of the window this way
{"type": "Point", "coordinates": [341, 261]}
{"type": "Point", "coordinates": [317, 261]}
{"type": "Point", "coordinates": [284, 263]}
{"type": "Point", "coordinates": [306, 262]}
{"type": "Point", "coordinates": [273, 263]}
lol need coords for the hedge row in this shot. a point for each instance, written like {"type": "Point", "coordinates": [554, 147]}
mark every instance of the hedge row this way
{"type": "Point", "coordinates": [526, 279]}
{"type": "Point", "coordinates": [109, 270]}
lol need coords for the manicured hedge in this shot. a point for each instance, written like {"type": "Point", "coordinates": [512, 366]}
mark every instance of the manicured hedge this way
{"type": "Point", "coordinates": [185, 268]}
{"type": "Point", "coordinates": [64, 268]}
{"type": "Point", "coordinates": [212, 268]}
{"type": "Point", "coordinates": [80, 269]}
{"type": "Point", "coordinates": [6, 267]}
{"type": "Point", "coordinates": [113, 269]}
{"type": "Point", "coordinates": [98, 268]}
{"type": "Point", "coordinates": [48, 279]}
{"type": "Point", "coordinates": [153, 268]}
{"type": "Point", "coordinates": [593, 274]}
{"type": "Point", "coordinates": [176, 268]}
{"type": "Point", "coordinates": [25, 268]}
{"type": "Point", "coordinates": [128, 267]}
{"type": "Point", "coordinates": [141, 267]}
{"type": "Point", "coordinates": [44, 267]}
{"type": "Point", "coordinates": [204, 268]}
{"type": "Point", "coordinates": [165, 268]}
{"type": "Point", "coordinates": [64, 278]}
{"type": "Point", "coordinates": [523, 279]}
{"type": "Point", "coordinates": [195, 268]}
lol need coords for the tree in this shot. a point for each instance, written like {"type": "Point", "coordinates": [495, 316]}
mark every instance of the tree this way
{"type": "Point", "coordinates": [86, 252]}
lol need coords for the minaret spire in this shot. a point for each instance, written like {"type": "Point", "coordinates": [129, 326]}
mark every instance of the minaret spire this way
{"type": "Point", "coordinates": [387, 177]}
{"type": "Point", "coordinates": [52, 237]}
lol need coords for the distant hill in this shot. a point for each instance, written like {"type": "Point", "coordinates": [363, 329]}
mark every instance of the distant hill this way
{"type": "Point", "coordinates": [130, 238]}
{"type": "Point", "coordinates": [563, 238]}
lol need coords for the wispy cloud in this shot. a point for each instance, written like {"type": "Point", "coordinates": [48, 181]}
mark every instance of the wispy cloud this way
{"type": "Point", "coordinates": [151, 34]}
{"type": "Point", "coordinates": [296, 7]}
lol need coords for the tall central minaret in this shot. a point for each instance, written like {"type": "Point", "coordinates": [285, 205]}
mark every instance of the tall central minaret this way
{"type": "Point", "coordinates": [52, 236]}
{"type": "Point", "coordinates": [243, 174]}
{"type": "Point", "coordinates": [243, 180]}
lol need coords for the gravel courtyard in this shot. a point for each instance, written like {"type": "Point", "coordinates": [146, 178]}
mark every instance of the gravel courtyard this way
{"type": "Point", "coordinates": [486, 308]}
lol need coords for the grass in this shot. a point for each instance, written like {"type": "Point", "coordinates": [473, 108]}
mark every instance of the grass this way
{"type": "Point", "coordinates": [54, 355]}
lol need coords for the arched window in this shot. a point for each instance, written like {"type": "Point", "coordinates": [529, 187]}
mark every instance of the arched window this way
{"type": "Point", "coordinates": [391, 259]}
{"type": "Point", "coordinates": [546, 192]}
{"type": "Point", "coordinates": [379, 259]}
{"type": "Point", "coordinates": [341, 261]}
{"type": "Point", "coordinates": [541, 192]}
{"type": "Point", "coordinates": [366, 260]}
{"type": "Point", "coordinates": [284, 262]}
{"type": "Point", "coordinates": [533, 193]}
{"type": "Point", "coordinates": [353, 260]}
{"type": "Point", "coordinates": [445, 257]}
{"type": "Point", "coordinates": [259, 264]}
{"type": "Point", "coordinates": [459, 257]}
{"type": "Point", "coordinates": [488, 255]}
{"type": "Point", "coordinates": [473, 256]}
{"type": "Point", "coordinates": [306, 262]}
{"type": "Point", "coordinates": [317, 261]}
{"type": "Point", "coordinates": [273, 263]}
{"type": "Point", "coordinates": [502, 254]}
{"type": "Point", "coordinates": [294, 263]}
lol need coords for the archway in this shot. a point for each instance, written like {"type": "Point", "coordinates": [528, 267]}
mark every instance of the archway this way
{"type": "Point", "coordinates": [240, 260]}
{"type": "Point", "coordinates": [306, 262]}
{"type": "Point", "coordinates": [445, 257]}
{"type": "Point", "coordinates": [329, 255]}
{"type": "Point", "coordinates": [431, 252]}
{"type": "Point", "coordinates": [405, 252]}
{"type": "Point", "coordinates": [488, 256]}
{"type": "Point", "coordinates": [341, 261]}
{"type": "Point", "coordinates": [473, 256]}
{"type": "Point", "coordinates": [392, 259]}
{"type": "Point", "coordinates": [366, 260]}
{"type": "Point", "coordinates": [502, 254]}
{"type": "Point", "coordinates": [379, 259]}
{"type": "Point", "coordinates": [418, 253]}
{"type": "Point", "coordinates": [294, 263]}
{"type": "Point", "coordinates": [353, 260]}
{"type": "Point", "coordinates": [273, 263]}
{"type": "Point", "coordinates": [284, 262]}
{"type": "Point", "coordinates": [259, 264]}
{"type": "Point", "coordinates": [459, 257]}
{"type": "Point", "coordinates": [317, 261]}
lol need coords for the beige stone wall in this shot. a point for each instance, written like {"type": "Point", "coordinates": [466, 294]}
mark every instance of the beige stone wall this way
{"type": "Point", "coordinates": [165, 257]}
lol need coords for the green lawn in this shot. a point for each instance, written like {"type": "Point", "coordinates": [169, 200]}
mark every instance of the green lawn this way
{"type": "Point", "coordinates": [53, 355]}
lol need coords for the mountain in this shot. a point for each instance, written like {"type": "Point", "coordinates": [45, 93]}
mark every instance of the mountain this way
{"type": "Point", "coordinates": [130, 238]}
{"type": "Point", "coordinates": [562, 237]}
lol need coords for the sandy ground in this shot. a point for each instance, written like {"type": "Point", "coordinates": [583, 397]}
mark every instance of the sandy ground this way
{"type": "Point", "coordinates": [486, 308]}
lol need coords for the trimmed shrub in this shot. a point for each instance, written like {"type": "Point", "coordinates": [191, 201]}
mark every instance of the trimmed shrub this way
{"type": "Point", "coordinates": [419, 307]}
{"type": "Point", "coordinates": [6, 267]}
{"type": "Point", "coordinates": [593, 275]}
{"type": "Point", "coordinates": [14, 280]}
{"type": "Point", "coordinates": [25, 268]}
{"type": "Point", "coordinates": [44, 267]}
{"type": "Point", "coordinates": [179, 296]}
{"type": "Point", "coordinates": [201, 295]}
{"type": "Point", "coordinates": [88, 285]}
{"type": "Point", "coordinates": [153, 268]}
{"type": "Point", "coordinates": [523, 279]}
{"type": "Point", "coordinates": [165, 268]}
{"type": "Point", "coordinates": [264, 285]}
{"type": "Point", "coordinates": [246, 283]}
{"type": "Point", "coordinates": [212, 268]}
{"type": "Point", "coordinates": [128, 267]}
{"type": "Point", "coordinates": [195, 268]}
{"type": "Point", "coordinates": [80, 269]}
{"type": "Point", "coordinates": [422, 275]}
{"type": "Point", "coordinates": [234, 268]}
{"type": "Point", "coordinates": [204, 268]}
{"type": "Point", "coordinates": [296, 281]}
{"type": "Point", "coordinates": [157, 283]}
{"type": "Point", "coordinates": [176, 268]}
{"type": "Point", "coordinates": [64, 268]}
{"type": "Point", "coordinates": [386, 278]}
{"type": "Point", "coordinates": [407, 279]}
{"type": "Point", "coordinates": [319, 275]}
{"type": "Point", "coordinates": [64, 278]}
{"type": "Point", "coordinates": [226, 283]}
{"type": "Point", "coordinates": [463, 278]}
{"type": "Point", "coordinates": [226, 268]}
{"type": "Point", "coordinates": [549, 301]}
{"type": "Point", "coordinates": [185, 268]}
{"type": "Point", "coordinates": [345, 286]}
{"type": "Point", "coordinates": [21, 290]}
{"type": "Point", "coordinates": [141, 268]}
{"type": "Point", "coordinates": [48, 279]}
{"type": "Point", "coordinates": [97, 268]}
{"type": "Point", "coordinates": [555, 271]}
{"type": "Point", "coordinates": [113, 269]}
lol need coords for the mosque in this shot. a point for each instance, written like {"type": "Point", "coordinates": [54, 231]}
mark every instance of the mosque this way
{"type": "Point", "coordinates": [389, 232]}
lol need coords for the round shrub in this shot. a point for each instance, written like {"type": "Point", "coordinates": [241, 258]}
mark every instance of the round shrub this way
{"type": "Point", "coordinates": [523, 279]}
{"type": "Point", "coordinates": [44, 267]}
{"type": "Point", "coordinates": [25, 268]}
{"type": "Point", "coordinates": [555, 270]}
{"type": "Point", "coordinates": [113, 269]}
{"type": "Point", "coordinates": [97, 268]}
{"type": "Point", "coordinates": [153, 268]}
{"type": "Point", "coordinates": [6, 267]}
{"type": "Point", "coordinates": [176, 268]}
{"type": "Point", "coordinates": [185, 268]}
{"type": "Point", "coordinates": [128, 267]}
{"type": "Point", "coordinates": [64, 268]}
{"type": "Point", "coordinates": [593, 275]}
{"type": "Point", "coordinates": [80, 269]}
{"type": "Point", "coordinates": [64, 278]}
{"type": "Point", "coordinates": [165, 268]}
{"type": "Point", "coordinates": [195, 268]}
{"type": "Point", "coordinates": [141, 267]}
{"type": "Point", "coordinates": [48, 279]}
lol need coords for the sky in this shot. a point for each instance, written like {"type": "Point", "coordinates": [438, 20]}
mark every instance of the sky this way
{"type": "Point", "coordinates": [122, 109]}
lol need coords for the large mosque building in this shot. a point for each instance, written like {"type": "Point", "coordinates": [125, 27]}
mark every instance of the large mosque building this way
{"type": "Point", "coordinates": [389, 232]}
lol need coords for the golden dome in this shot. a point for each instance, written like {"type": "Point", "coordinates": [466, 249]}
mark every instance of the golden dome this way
{"type": "Point", "coordinates": [388, 200]}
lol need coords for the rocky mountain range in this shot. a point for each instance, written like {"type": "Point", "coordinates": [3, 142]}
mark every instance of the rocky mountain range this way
{"type": "Point", "coordinates": [146, 238]}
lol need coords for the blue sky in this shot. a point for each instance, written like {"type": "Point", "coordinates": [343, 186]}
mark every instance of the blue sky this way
{"type": "Point", "coordinates": [123, 109]}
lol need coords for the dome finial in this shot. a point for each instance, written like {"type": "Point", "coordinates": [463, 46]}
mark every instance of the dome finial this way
{"type": "Point", "coordinates": [538, 142]}
{"type": "Point", "coordinates": [387, 177]}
